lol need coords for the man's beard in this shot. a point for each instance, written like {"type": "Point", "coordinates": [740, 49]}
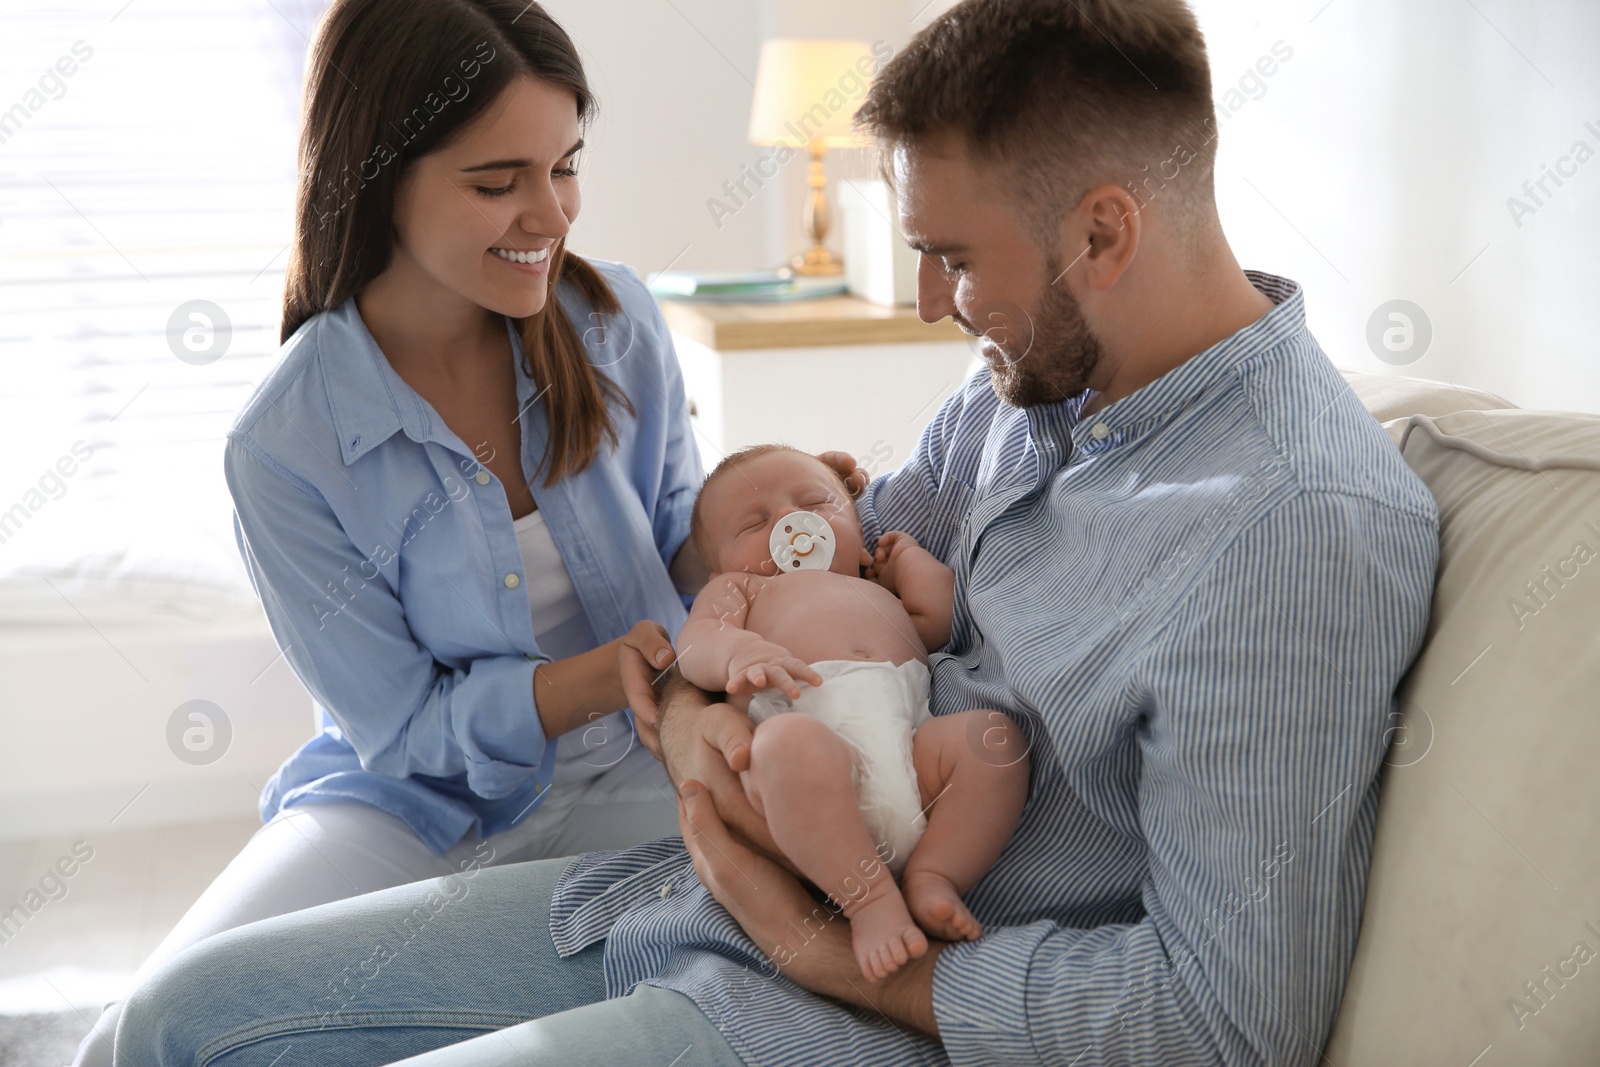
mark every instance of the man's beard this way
{"type": "Point", "coordinates": [1037, 359]}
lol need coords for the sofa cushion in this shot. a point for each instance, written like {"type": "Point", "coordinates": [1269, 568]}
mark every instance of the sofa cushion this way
{"type": "Point", "coordinates": [1390, 398]}
{"type": "Point", "coordinates": [1482, 917]}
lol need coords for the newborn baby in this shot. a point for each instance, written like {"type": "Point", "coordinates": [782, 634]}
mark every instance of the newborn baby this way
{"type": "Point", "coordinates": [787, 624]}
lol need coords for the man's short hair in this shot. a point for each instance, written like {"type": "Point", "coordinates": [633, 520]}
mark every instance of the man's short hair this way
{"type": "Point", "coordinates": [697, 527]}
{"type": "Point", "coordinates": [1065, 95]}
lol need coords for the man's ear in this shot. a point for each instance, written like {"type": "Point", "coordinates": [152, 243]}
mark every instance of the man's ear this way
{"type": "Point", "coordinates": [1100, 237]}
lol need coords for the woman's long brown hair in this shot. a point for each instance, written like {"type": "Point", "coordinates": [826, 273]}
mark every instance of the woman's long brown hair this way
{"type": "Point", "coordinates": [389, 81]}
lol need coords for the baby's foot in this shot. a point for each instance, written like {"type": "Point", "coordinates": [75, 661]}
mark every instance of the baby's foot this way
{"type": "Point", "coordinates": [883, 935]}
{"type": "Point", "coordinates": [937, 906]}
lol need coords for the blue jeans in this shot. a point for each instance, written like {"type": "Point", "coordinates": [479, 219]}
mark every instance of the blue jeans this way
{"type": "Point", "coordinates": [463, 961]}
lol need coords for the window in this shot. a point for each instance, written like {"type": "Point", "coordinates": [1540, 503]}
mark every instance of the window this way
{"type": "Point", "coordinates": [147, 163]}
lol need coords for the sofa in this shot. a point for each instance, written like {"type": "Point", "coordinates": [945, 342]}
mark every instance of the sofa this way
{"type": "Point", "coordinates": [1480, 937]}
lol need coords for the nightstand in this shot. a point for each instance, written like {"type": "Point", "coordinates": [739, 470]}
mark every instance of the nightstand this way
{"type": "Point", "coordinates": [832, 373]}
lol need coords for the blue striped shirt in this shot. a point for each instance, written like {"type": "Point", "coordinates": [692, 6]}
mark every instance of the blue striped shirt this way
{"type": "Point", "coordinates": [1198, 603]}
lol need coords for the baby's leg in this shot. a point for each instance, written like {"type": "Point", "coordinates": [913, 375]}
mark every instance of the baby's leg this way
{"type": "Point", "coordinates": [799, 779]}
{"type": "Point", "coordinates": [973, 768]}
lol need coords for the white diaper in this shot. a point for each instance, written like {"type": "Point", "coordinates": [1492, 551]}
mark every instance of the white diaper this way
{"type": "Point", "coordinates": [874, 706]}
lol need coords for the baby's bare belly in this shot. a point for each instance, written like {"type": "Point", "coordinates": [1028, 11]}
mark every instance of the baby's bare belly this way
{"type": "Point", "coordinates": [820, 615]}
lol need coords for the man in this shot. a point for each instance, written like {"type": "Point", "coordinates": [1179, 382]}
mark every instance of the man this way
{"type": "Point", "coordinates": [1188, 563]}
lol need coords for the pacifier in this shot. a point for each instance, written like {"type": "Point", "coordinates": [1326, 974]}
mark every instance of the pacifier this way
{"type": "Point", "coordinates": [801, 541]}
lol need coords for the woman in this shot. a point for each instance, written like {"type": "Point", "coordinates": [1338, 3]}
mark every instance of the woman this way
{"type": "Point", "coordinates": [463, 492]}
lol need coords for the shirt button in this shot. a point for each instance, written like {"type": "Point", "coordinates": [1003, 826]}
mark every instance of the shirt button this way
{"type": "Point", "coordinates": [482, 477]}
{"type": "Point", "coordinates": [512, 581]}
{"type": "Point", "coordinates": [666, 889]}
{"type": "Point", "coordinates": [1099, 431]}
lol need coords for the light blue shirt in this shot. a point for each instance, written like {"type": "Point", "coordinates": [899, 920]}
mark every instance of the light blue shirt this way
{"type": "Point", "coordinates": [384, 555]}
{"type": "Point", "coordinates": [1198, 603]}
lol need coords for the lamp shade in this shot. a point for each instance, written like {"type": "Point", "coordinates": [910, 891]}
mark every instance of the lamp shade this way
{"type": "Point", "coordinates": [809, 91]}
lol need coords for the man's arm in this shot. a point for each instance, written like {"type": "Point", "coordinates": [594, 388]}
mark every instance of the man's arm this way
{"type": "Point", "coordinates": [771, 904]}
{"type": "Point", "coordinates": [696, 734]}
{"type": "Point", "coordinates": [1265, 696]}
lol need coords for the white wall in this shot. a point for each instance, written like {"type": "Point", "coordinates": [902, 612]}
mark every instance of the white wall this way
{"type": "Point", "coordinates": [1374, 164]}
{"type": "Point", "coordinates": [1382, 156]}
{"type": "Point", "coordinates": [675, 83]}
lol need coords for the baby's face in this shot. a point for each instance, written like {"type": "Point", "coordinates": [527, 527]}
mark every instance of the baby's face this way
{"type": "Point", "coordinates": [740, 506]}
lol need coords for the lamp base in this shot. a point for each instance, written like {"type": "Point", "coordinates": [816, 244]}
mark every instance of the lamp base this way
{"type": "Point", "coordinates": [817, 260]}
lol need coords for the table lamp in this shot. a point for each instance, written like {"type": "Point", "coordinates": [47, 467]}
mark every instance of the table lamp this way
{"type": "Point", "coordinates": [806, 94]}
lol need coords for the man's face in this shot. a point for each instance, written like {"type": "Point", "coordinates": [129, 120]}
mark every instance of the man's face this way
{"type": "Point", "coordinates": [740, 506]}
{"type": "Point", "coordinates": [979, 265]}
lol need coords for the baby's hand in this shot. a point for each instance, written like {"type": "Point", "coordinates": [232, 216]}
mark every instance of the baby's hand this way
{"type": "Point", "coordinates": [764, 665]}
{"type": "Point", "coordinates": [892, 548]}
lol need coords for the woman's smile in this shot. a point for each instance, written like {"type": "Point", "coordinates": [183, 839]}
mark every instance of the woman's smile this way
{"type": "Point", "coordinates": [529, 262]}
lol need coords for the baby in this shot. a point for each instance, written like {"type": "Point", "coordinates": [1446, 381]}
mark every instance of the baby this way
{"type": "Point", "coordinates": [788, 624]}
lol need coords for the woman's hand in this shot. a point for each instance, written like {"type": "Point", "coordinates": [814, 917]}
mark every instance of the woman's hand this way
{"type": "Point", "coordinates": [570, 693]}
{"type": "Point", "coordinates": [855, 479]}
{"type": "Point", "coordinates": [643, 655]}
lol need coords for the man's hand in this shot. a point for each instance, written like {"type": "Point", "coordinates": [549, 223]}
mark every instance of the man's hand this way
{"type": "Point", "coordinates": [807, 940]}
{"type": "Point", "coordinates": [710, 742]}
{"type": "Point", "coordinates": [765, 665]}
{"type": "Point", "coordinates": [855, 479]}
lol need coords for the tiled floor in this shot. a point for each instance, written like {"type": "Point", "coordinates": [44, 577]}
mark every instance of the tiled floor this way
{"type": "Point", "coordinates": [77, 942]}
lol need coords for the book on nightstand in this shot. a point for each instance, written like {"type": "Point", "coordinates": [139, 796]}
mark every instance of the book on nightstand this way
{"type": "Point", "coordinates": [758, 286]}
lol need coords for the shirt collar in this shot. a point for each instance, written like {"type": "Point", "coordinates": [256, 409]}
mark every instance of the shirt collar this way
{"type": "Point", "coordinates": [1060, 425]}
{"type": "Point", "coordinates": [1050, 427]}
{"type": "Point", "coordinates": [369, 400]}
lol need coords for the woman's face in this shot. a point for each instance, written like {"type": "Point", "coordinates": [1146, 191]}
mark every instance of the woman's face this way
{"type": "Point", "coordinates": [506, 184]}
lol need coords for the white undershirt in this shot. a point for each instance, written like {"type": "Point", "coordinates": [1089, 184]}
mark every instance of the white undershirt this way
{"type": "Point", "coordinates": [562, 630]}
{"type": "Point", "coordinates": [559, 624]}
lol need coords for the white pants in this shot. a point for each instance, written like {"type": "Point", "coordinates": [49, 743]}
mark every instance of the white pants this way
{"type": "Point", "coordinates": [318, 852]}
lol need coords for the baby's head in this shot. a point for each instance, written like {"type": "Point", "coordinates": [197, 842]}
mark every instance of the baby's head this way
{"type": "Point", "coordinates": [754, 488]}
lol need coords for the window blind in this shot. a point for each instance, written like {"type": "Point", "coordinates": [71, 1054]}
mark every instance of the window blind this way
{"type": "Point", "coordinates": [147, 165]}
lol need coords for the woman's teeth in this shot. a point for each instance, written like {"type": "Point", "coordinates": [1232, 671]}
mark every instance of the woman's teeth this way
{"type": "Point", "coordinates": [522, 257]}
